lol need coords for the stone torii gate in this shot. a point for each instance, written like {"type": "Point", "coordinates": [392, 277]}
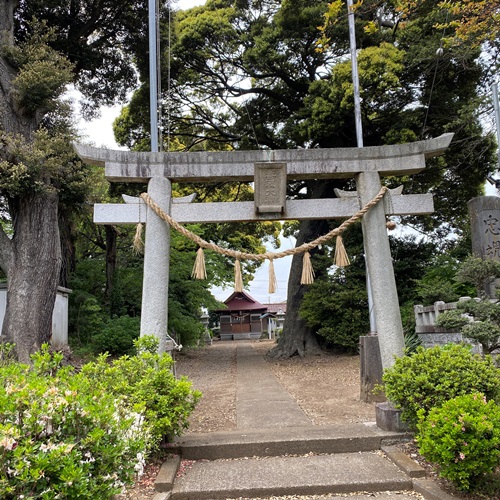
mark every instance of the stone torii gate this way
{"type": "Point", "coordinates": [270, 170]}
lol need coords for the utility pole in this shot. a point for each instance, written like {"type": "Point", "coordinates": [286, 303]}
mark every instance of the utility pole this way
{"type": "Point", "coordinates": [153, 74]}
{"type": "Point", "coordinates": [359, 134]}
{"type": "Point", "coordinates": [496, 104]}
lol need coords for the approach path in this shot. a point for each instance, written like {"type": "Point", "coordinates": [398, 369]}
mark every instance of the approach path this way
{"type": "Point", "coordinates": [261, 432]}
{"type": "Point", "coordinates": [325, 388]}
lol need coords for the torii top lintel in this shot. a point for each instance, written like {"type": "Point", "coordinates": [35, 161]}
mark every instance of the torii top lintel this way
{"type": "Point", "coordinates": [328, 163]}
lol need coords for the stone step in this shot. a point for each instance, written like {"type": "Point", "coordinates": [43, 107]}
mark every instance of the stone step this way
{"type": "Point", "coordinates": [282, 441]}
{"type": "Point", "coordinates": [290, 475]}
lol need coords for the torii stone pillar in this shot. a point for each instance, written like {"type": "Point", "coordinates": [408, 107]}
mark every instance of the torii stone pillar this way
{"type": "Point", "coordinates": [154, 315]}
{"type": "Point", "coordinates": [381, 271]}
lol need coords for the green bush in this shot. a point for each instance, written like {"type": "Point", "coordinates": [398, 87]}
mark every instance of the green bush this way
{"type": "Point", "coordinates": [485, 328]}
{"type": "Point", "coordinates": [412, 342]}
{"type": "Point", "coordinates": [463, 438]}
{"type": "Point", "coordinates": [117, 336]}
{"type": "Point", "coordinates": [478, 272]}
{"type": "Point", "coordinates": [145, 383]}
{"type": "Point", "coordinates": [430, 377]}
{"type": "Point", "coordinates": [85, 435]}
{"type": "Point", "coordinates": [341, 321]}
{"type": "Point", "coordinates": [61, 436]}
{"type": "Point", "coordinates": [452, 319]}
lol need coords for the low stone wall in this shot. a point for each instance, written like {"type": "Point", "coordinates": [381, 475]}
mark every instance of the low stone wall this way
{"type": "Point", "coordinates": [426, 316]}
{"type": "Point", "coordinates": [432, 335]}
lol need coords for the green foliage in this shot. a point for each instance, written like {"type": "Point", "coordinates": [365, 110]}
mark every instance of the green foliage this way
{"type": "Point", "coordinates": [41, 164]}
{"type": "Point", "coordinates": [145, 383]}
{"type": "Point", "coordinates": [463, 437]}
{"type": "Point", "coordinates": [430, 377]}
{"type": "Point", "coordinates": [337, 305]}
{"type": "Point", "coordinates": [439, 279]}
{"type": "Point", "coordinates": [147, 343]}
{"type": "Point", "coordinates": [61, 436]}
{"type": "Point", "coordinates": [412, 343]}
{"type": "Point", "coordinates": [99, 40]}
{"type": "Point", "coordinates": [478, 320]}
{"type": "Point", "coordinates": [43, 73]}
{"type": "Point", "coordinates": [411, 259]}
{"type": "Point", "coordinates": [86, 318]}
{"type": "Point", "coordinates": [486, 333]}
{"type": "Point", "coordinates": [434, 288]}
{"type": "Point", "coordinates": [408, 318]}
{"type": "Point", "coordinates": [452, 319]}
{"type": "Point", "coordinates": [7, 353]}
{"type": "Point", "coordinates": [478, 272]}
{"type": "Point", "coordinates": [117, 335]}
{"type": "Point", "coordinates": [338, 310]}
{"type": "Point", "coordinates": [85, 435]}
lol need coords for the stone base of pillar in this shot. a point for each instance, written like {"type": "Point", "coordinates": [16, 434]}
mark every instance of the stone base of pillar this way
{"type": "Point", "coordinates": [388, 418]}
{"type": "Point", "coordinates": [370, 368]}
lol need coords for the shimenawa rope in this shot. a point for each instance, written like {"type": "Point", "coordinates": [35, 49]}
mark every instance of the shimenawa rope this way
{"type": "Point", "coordinates": [341, 258]}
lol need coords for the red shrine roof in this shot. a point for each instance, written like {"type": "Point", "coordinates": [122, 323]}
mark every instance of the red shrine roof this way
{"type": "Point", "coordinates": [242, 301]}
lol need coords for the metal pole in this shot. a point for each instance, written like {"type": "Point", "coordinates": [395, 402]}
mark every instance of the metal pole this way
{"type": "Point", "coordinates": [355, 76]}
{"type": "Point", "coordinates": [359, 135]}
{"type": "Point", "coordinates": [153, 78]}
{"type": "Point", "coordinates": [496, 104]}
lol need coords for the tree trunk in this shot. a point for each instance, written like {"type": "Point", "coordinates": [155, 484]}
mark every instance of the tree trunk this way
{"type": "Point", "coordinates": [111, 253]}
{"type": "Point", "coordinates": [68, 250]}
{"type": "Point", "coordinates": [32, 274]}
{"type": "Point", "coordinates": [297, 338]}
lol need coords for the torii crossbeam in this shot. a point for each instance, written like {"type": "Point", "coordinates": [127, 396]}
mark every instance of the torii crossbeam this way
{"type": "Point", "coordinates": [365, 165]}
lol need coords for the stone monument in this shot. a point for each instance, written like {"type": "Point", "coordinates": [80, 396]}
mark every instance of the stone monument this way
{"type": "Point", "coordinates": [484, 213]}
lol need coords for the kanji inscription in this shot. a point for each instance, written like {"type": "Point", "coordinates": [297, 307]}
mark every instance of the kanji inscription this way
{"type": "Point", "coordinates": [270, 187]}
{"type": "Point", "coordinates": [485, 223]}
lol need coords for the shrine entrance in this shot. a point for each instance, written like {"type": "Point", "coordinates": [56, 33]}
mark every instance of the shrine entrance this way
{"type": "Point", "coordinates": [270, 170]}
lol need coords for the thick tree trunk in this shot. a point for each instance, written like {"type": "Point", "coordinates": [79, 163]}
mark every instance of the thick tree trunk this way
{"type": "Point", "coordinates": [297, 337]}
{"type": "Point", "coordinates": [32, 274]}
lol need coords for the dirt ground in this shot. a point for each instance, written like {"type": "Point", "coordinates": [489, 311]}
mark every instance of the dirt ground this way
{"type": "Point", "coordinates": [326, 387]}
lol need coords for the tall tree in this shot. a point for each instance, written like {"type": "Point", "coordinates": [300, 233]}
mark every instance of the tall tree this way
{"type": "Point", "coordinates": [257, 73]}
{"type": "Point", "coordinates": [46, 45]}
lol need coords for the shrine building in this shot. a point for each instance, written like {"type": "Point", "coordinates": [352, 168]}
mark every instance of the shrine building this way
{"type": "Point", "coordinates": [246, 318]}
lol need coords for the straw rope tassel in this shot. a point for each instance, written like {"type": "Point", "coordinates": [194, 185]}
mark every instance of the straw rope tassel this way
{"type": "Point", "coordinates": [273, 284]}
{"type": "Point", "coordinates": [238, 278]}
{"type": "Point", "coordinates": [138, 244]}
{"type": "Point", "coordinates": [199, 269]}
{"type": "Point", "coordinates": [341, 257]}
{"type": "Point", "coordinates": [307, 270]}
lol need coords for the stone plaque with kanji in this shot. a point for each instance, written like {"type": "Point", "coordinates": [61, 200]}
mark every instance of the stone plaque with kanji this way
{"type": "Point", "coordinates": [485, 224]}
{"type": "Point", "coordinates": [270, 187]}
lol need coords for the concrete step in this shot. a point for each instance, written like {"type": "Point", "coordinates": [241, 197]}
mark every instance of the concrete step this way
{"type": "Point", "coordinates": [290, 475]}
{"type": "Point", "coordinates": [282, 441]}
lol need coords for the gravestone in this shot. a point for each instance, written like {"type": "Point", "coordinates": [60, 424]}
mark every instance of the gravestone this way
{"type": "Point", "coordinates": [364, 165]}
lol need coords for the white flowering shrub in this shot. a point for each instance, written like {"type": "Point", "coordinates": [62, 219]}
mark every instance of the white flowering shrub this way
{"type": "Point", "coordinates": [62, 436]}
